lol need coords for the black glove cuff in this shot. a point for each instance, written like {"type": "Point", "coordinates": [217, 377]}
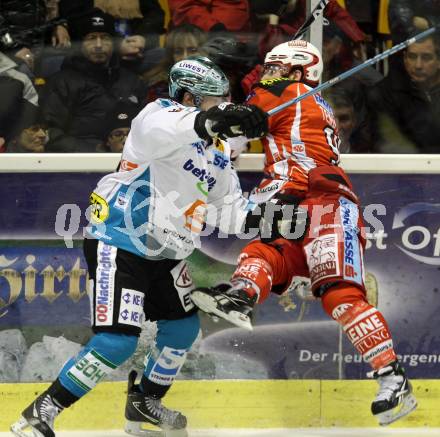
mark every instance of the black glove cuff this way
{"type": "Point", "coordinates": [200, 125]}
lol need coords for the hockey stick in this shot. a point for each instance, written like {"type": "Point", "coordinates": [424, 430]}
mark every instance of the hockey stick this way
{"type": "Point", "coordinates": [354, 70]}
{"type": "Point", "coordinates": [316, 13]}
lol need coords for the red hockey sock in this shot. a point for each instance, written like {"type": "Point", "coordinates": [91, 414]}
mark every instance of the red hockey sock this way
{"type": "Point", "coordinates": [255, 274]}
{"type": "Point", "coordinates": [364, 325]}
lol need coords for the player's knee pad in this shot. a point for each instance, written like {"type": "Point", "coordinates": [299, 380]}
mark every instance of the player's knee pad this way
{"type": "Point", "coordinates": [268, 266]}
{"type": "Point", "coordinates": [167, 356]}
{"type": "Point", "coordinates": [100, 356]}
{"type": "Point", "coordinates": [340, 297]}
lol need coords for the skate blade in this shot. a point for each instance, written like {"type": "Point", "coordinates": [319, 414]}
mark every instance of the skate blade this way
{"type": "Point", "coordinates": [19, 429]}
{"type": "Point", "coordinates": [409, 403]}
{"type": "Point", "coordinates": [136, 429]}
{"type": "Point", "coordinates": [209, 305]}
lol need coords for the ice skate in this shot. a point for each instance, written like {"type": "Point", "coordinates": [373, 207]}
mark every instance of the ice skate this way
{"type": "Point", "coordinates": [227, 302]}
{"type": "Point", "coordinates": [141, 410]}
{"type": "Point", "coordinates": [394, 399]}
{"type": "Point", "coordinates": [37, 419]}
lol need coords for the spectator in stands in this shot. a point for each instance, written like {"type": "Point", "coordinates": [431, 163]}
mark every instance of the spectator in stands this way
{"type": "Point", "coordinates": [119, 123]}
{"type": "Point", "coordinates": [138, 25]}
{"type": "Point", "coordinates": [181, 42]}
{"type": "Point", "coordinates": [211, 16]}
{"type": "Point", "coordinates": [345, 119]}
{"type": "Point", "coordinates": [90, 83]}
{"type": "Point", "coordinates": [19, 101]}
{"type": "Point", "coordinates": [354, 130]}
{"type": "Point", "coordinates": [338, 57]}
{"type": "Point", "coordinates": [408, 102]}
{"type": "Point", "coordinates": [31, 140]}
{"type": "Point", "coordinates": [410, 16]}
{"type": "Point", "coordinates": [141, 18]}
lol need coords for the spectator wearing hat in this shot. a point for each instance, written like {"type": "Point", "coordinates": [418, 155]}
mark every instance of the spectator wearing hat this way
{"type": "Point", "coordinates": [118, 127]}
{"type": "Point", "coordinates": [138, 24]}
{"type": "Point", "coordinates": [144, 19]}
{"type": "Point", "coordinates": [77, 98]}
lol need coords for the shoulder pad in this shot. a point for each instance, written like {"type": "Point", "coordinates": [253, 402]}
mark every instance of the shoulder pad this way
{"type": "Point", "coordinates": [275, 86]}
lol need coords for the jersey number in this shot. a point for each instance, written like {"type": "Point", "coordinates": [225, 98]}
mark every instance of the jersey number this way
{"type": "Point", "coordinates": [333, 141]}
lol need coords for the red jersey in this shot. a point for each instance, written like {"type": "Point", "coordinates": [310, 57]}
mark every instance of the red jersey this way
{"type": "Point", "coordinates": [301, 137]}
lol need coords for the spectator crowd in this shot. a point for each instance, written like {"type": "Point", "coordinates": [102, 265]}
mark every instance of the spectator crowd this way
{"type": "Point", "coordinates": [74, 74]}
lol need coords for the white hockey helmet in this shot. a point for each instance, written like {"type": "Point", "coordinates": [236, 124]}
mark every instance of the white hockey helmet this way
{"type": "Point", "coordinates": [298, 53]}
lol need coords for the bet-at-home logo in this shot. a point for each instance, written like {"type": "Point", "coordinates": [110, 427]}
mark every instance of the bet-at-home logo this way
{"type": "Point", "coordinates": [415, 231]}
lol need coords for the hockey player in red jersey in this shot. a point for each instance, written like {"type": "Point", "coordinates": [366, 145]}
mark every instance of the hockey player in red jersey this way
{"type": "Point", "coordinates": [301, 168]}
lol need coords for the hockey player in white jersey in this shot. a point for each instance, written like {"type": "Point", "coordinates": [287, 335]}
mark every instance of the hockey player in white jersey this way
{"type": "Point", "coordinates": [145, 220]}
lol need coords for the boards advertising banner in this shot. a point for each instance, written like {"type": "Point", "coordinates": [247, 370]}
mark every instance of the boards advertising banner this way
{"type": "Point", "coordinates": [43, 283]}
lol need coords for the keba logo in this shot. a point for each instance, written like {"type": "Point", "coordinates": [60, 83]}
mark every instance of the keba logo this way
{"type": "Point", "coordinates": [201, 174]}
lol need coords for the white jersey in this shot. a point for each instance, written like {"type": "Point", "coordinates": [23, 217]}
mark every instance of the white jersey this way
{"type": "Point", "coordinates": [169, 182]}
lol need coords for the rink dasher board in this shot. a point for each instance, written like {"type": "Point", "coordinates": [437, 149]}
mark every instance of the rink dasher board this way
{"type": "Point", "coordinates": [106, 163]}
{"type": "Point", "coordinates": [259, 404]}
